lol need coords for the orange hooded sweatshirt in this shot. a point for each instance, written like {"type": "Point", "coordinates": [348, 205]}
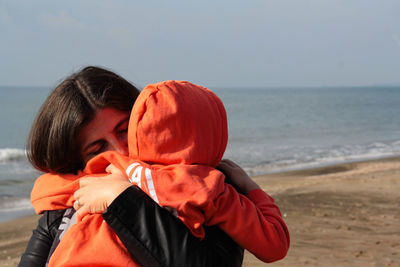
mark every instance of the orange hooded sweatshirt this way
{"type": "Point", "coordinates": [177, 136]}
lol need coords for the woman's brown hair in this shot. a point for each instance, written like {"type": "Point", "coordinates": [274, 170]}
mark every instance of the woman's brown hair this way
{"type": "Point", "coordinates": [52, 145]}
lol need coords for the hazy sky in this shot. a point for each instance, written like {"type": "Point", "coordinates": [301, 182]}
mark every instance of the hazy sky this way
{"type": "Point", "coordinates": [214, 43]}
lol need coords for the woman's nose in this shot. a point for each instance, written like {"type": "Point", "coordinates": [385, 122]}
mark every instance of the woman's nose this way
{"type": "Point", "coordinates": [120, 146]}
{"type": "Point", "coordinates": [122, 149]}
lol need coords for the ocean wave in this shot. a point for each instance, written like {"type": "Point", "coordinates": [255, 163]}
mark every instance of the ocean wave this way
{"type": "Point", "coordinates": [14, 204]}
{"type": "Point", "coordinates": [12, 208]}
{"type": "Point", "coordinates": [396, 143]}
{"type": "Point", "coordinates": [300, 157]}
{"type": "Point", "coordinates": [12, 154]}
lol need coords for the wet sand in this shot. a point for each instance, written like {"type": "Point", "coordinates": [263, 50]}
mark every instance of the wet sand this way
{"type": "Point", "coordinates": [342, 215]}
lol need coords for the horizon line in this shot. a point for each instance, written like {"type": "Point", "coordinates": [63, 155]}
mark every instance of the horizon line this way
{"type": "Point", "coordinates": [251, 87]}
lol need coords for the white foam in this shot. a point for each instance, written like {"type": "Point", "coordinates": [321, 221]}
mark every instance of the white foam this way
{"type": "Point", "coordinates": [15, 204]}
{"type": "Point", "coordinates": [11, 154]}
{"type": "Point", "coordinates": [396, 143]}
{"type": "Point", "coordinates": [307, 157]}
{"type": "Point", "coordinates": [15, 214]}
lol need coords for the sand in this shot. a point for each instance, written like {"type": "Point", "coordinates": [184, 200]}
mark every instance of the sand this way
{"type": "Point", "coordinates": [342, 215]}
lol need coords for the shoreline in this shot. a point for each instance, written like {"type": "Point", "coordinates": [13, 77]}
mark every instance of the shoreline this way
{"type": "Point", "coordinates": [316, 166]}
{"type": "Point", "coordinates": [342, 214]}
{"type": "Point", "coordinates": [15, 214]}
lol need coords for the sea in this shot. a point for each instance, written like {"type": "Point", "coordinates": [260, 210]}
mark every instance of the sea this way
{"type": "Point", "coordinates": [270, 130]}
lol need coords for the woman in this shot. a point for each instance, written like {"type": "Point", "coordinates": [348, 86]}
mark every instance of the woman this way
{"type": "Point", "coordinates": [68, 131]}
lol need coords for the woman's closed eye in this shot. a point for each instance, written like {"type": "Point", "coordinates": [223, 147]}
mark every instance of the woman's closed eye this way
{"type": "Point", "coordinates": [96, 149]}
{"type": "Point", "coordinates": [122, 127]}
{"type": "Point", "coordinates": [122, 132]}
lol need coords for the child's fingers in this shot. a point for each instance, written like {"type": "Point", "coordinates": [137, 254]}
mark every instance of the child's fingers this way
{"type": "Point", "coordinates": [112, 169]}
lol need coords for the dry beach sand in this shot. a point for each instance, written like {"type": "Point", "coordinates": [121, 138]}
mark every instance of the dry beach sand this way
{"type": "Point", "coordinates": [342, 215]}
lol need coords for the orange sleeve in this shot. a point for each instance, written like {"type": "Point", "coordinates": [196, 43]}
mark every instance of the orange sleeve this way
{"type": "Point", "coordinates": [255, 222]}
{"type": "Point", "coordinates": [201, 197]}
{"type": "Point", "coordinates": [54, 191]}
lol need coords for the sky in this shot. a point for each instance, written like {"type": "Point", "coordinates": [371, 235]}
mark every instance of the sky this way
{"type": "Point", "coordinates": [260, 43]}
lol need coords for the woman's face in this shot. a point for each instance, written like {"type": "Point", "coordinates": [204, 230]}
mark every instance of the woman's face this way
{"type": "Point", "coordinates": [107, 131]}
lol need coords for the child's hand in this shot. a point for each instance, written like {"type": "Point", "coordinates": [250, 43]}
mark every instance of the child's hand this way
{"type": "Point", "coordinates": [237, 176]}
{"type": "Point", "coordinates": [97, 193]}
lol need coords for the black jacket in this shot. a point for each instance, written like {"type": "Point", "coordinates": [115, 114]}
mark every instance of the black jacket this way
{"type": "Point", "coordinates": [152, 235]}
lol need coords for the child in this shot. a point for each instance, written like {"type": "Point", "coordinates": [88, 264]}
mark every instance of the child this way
{"type": "Point", "coordinates": [177, 136]}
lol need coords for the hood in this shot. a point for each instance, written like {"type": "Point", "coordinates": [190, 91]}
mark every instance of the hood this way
{"type": "Point", "coordinates": [177, 122]}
